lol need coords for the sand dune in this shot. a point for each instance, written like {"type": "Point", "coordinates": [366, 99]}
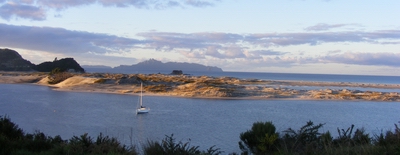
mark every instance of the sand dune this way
{"type": "Point", "coordinates": [203, 86]}
{"type": "Point", "coordinates": [76, 80]}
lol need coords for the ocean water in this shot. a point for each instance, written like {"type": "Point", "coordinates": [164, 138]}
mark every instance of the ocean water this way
{"type": "Point", "coordinates": [205, 122]}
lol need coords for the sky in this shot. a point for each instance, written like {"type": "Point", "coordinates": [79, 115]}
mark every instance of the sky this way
{"type": "Point", "coordinates": [358, 37]}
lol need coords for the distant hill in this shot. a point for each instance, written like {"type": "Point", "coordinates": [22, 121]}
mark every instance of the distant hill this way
{"type": "Point", "coordinates": [10, 60]}
{"type": "Point", "coordinates": [65, 64]}
{"type": "Point", "coordinates": [96, 67]}
{"type": "Point", "coordinates": [158, 66]}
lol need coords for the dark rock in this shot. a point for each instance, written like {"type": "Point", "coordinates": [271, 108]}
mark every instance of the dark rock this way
{"type": "Point", "coordinates": [65, 64]}
{"type": "Point", "coordinates": [10, 60]}
{"type": "Point", "coordinates": [177, 72]}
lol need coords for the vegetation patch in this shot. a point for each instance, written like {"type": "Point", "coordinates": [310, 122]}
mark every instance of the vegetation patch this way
{"type": "Point", "coordinates": [57, 76]}
{"type": "Point", "coordinates": [102, 80]}
{"type": "Point", "coordinates": [158, 88]}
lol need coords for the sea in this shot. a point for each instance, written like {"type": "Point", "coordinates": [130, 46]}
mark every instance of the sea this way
{"type": "Point", "coordinates": [202, 122]}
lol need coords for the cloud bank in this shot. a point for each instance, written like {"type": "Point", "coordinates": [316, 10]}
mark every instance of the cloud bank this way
{"type": "Point", "coordinates": [314, 44]}
{"type": "Point", "coordinates": [60, 40]}
{"type": "Point", "coordinates": [9, 10]}
{"type": "Point", "coordinates": [207, 45]}
{"type": "Point", "coordinates": [37, 9]}
{"type": "Point", "coordinates": [326, 27]}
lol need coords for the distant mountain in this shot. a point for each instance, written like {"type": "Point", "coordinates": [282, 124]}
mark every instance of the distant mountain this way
{"type": "Point", "coordinates": [96, 67]}
{"type": "Point", "coordinates": [158, 66]}
{"type": "Point", "coordinates": [10, 60]}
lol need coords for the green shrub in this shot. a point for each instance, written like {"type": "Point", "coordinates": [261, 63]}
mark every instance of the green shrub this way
{"type": "Point", "coordinates": [85, 144]}
{"type": "Point", "coordinates": [347, 138]}
{"type": "Point", "coordinates": [10, 130]}
{"type": "Point", "coordinates": [307, 139]}
{"type": "Point", "coordinates": [14, 141]}
{"type": "Point", "coordinates": [390, 142]}
{"type": "Point", "coordinates": [37, 142]}
{"type": "Point", "coordinates": [169, 146]}
{"type": "Point", "coordinates": [57, 76]}
{"type": "Point", "coordinates": [102, 80]}
{"type": "Point", "coordinates": [360, 137]}
{"type": "Point", "coordinates": [260, 139]}
{"type": "Point", "coordinates": [106, 144]}
{"type": "Point", "coordinates": [6, 146]}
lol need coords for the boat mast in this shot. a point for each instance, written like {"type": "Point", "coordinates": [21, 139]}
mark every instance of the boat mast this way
{"type": "Point", "coordinates": [141, 94]}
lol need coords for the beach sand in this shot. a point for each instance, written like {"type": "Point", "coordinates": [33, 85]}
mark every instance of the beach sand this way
{"type": "Point", "coordinates": [205, 87]}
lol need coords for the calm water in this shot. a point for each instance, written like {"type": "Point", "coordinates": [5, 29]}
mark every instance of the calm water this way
{"type": "Point", "coordinates": [206, 122]}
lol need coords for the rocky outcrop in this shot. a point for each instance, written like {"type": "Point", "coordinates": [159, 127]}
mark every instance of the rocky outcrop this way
{"type": "Point", "coordinates": [10, 60]}
{"type": "Point", "coordinates": [66, 64]}
{"type": "Point", "coordinates": [177, 72]}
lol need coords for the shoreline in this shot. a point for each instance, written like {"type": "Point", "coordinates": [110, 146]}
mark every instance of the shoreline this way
{"type": "Point", "coordinates": [206, 87]}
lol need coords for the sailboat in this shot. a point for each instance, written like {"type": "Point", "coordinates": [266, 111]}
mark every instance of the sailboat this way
{"type": "Point", "coordinates": [142, 109]}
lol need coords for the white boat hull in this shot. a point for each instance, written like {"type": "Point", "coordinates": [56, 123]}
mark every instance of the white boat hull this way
{"type": "Point", "coordinates": [142, 110]}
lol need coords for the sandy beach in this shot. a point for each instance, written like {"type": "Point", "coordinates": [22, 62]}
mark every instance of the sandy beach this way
{"type": "Point", "coordinates": [206, 87]}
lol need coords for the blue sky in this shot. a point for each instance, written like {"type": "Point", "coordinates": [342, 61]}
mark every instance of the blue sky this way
{"type": "Point", "coordinates": [285, 36]}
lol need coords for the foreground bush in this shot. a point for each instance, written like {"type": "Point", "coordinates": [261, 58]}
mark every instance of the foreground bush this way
{"type": "Point", "coordinates": [262, 139]}
{"type": "Point", "coordinates": [308, 140]}
{"type": "Point", "coordinates": [14, 141]}
{"type": "Point", "coordinates": [169, 146]}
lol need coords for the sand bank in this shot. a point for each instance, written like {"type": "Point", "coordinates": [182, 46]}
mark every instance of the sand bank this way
{"type": "Point", "coordinates": [206, 87]}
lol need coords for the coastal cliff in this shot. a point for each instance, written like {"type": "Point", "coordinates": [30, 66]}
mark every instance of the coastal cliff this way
{"type": "Point", "coordinates": [11, 60]}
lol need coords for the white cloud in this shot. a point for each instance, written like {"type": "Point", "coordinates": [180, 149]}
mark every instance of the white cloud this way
{"type": "Point", "coordinates": [233, 52]}
{"type": "Point", "coordinates": [192, 54]}
{"type": "Point", "coordinates": [60, 40]}
{"type": "Point", "coordinates": [376, 59]}
{"type": "Point", "coordinates": [37, 9]}
{"type": "Point", "coordinates": [222, 46]}
{"type": "Point", "coordinates": [58, 5]}
{"type": "Point", "coordinates": [325, 27]}
{"type": "Point", "coordinates": [10, 10]}
{"type": "Point", "coordinates": [198, 3]}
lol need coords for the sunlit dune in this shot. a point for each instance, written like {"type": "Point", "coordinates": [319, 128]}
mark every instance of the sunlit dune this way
{"type": "Point", "coordinates": [207, 87]}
